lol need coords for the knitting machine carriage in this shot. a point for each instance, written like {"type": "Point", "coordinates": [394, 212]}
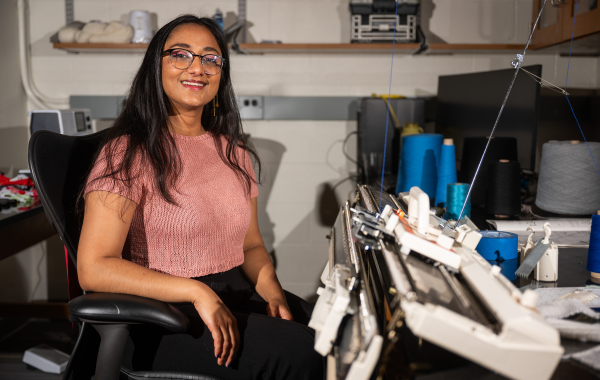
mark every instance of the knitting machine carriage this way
{"type": "Point", "coordinates": [387, 272]}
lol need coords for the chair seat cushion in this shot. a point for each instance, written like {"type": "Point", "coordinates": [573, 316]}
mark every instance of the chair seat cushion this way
{"type": "Point", "coordinates": [125, 308]}
{"type": "Point", "coordinates": [143, 375]}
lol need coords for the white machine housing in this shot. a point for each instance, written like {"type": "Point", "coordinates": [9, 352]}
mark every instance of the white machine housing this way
{"type": "Point", "coordinates": [74, 122]}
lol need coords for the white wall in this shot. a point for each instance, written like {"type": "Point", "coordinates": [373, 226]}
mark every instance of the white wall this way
{"type": "Point", "coordinates": [22, 276]}
{"type": "Point", "coordinates": [312, 150]}
{"type": "Point", "coordinates": [13, 106]}
{"type": "Point", "coordinates": [12, 97]}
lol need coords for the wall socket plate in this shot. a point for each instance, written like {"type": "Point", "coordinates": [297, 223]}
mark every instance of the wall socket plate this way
{"type": "Point", "coordinates": [251, 107]}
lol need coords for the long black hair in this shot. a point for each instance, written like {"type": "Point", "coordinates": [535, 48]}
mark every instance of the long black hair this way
{"type": "Point", "coordinates": [144, 121]}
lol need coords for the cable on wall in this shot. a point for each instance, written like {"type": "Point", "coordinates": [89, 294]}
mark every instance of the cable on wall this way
{"type": "Point", "coordinates": [39, 99]}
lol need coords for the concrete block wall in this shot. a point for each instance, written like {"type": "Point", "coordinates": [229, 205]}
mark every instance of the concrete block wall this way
{"type": "Point", "coordinates": [302, 157]}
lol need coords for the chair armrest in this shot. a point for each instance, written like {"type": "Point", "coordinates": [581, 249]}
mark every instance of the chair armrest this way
{"type": "Point", "coordinates": [125, 308]}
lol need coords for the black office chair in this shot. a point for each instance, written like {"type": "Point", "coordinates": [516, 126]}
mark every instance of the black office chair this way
{"type": "Point", "coordinates": [59, 165]}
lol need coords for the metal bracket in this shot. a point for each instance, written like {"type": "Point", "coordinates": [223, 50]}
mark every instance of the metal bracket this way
{"type": "Point", "coordinates": [368, 228]}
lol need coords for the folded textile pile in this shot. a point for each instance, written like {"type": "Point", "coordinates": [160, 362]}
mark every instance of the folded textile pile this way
{"type": "Point", "coordinates": [96, 32]}
{"type": "Point", "coordinates": [583, 324]}
{"type": "Point", "coordinates": [18, 192]}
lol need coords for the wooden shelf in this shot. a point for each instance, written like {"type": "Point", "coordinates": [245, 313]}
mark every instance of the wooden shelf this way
{"type": "Point", "coordinates": [400, 48]}
{"type": "Point", "coordinates": [101, 48]}
{"type": "Point", "coordinates": [329, 48]}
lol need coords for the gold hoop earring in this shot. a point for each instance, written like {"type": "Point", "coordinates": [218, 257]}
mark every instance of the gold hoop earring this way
{"type": "Point", "coordinates": [215, 104]}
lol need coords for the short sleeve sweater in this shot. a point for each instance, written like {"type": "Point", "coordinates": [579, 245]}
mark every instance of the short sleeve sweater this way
{"type": "Point", "coordinates": [204, 233]}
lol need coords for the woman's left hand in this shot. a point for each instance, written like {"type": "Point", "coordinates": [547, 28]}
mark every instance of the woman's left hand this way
{"type": "Point", "coordinates": [278, 308]}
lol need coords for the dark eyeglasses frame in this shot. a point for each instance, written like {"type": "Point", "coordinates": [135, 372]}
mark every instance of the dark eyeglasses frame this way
{"type": "Point", "coordinates": [169, 51]}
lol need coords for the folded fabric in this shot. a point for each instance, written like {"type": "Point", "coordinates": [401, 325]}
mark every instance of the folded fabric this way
{"type": "Point", "coordinates": [96, 32]}
{"type": "Point", "coordinates": [588, 332]}
{"type": "Point", "coordinates": [557, 311]}
{"type": "Point", "coordinates": [115, 32]}
{"type": "Point", "coordinates": [83, 36]}
{"type": "Point", "coordinates": [67, 33]}
{"type": "Point", "coordinates": [565, 308]}
{"type": "Point", "coordinates": [589, 357]}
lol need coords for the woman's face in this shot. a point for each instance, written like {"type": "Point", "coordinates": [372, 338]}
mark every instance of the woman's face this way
{"type": "Point", "coordinates": [190, 88]}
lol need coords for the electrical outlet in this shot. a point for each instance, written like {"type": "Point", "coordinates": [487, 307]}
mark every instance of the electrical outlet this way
{"type": "Point", "coordinates": [251, 107]}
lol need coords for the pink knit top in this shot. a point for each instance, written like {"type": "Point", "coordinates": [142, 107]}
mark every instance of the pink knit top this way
{"type": "Point", "coordinates": [205, 233]}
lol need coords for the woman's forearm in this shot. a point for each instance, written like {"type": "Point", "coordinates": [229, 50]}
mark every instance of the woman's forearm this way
{"type": "Point", "coordinates": [116, 275]}
{"type": "Point", "coordinates": [259, 269]}
{"type": "Point", "coordinates": [99, 264]}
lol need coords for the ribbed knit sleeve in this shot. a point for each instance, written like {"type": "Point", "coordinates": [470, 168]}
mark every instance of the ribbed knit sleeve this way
{"type": "Point", "coordinates": [98, 181]}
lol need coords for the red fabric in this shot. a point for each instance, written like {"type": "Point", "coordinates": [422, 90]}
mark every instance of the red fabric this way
{"type": "Point", "coordinates": [72, 280]}
{"type": "Point", "coordinates": [22, 182]}
{"type": "Point", "coordinates": [204, 232]}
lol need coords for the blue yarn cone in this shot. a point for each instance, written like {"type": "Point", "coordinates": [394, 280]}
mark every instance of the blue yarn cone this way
{"type": "Point", "coordinates": [446, 174]}
{"type": "Point", "coordinates": [456, 193]}
{"type": "Point", "coordinates": [419, 163]}
{"type": "Point", "coordinates": [593, 258]}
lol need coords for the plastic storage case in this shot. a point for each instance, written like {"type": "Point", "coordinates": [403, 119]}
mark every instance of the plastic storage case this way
{"type": "Point", "coordinates": [374, 20]}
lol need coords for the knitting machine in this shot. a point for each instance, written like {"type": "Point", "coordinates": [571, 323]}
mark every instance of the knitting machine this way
{"type": "Point", "coordinates": [394, 265]}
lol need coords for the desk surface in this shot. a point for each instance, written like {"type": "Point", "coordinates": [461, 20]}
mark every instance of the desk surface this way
{"type": "Point", "coordinates": [15, 214]}
{"type": "Point", "coordinates": [20, 229]}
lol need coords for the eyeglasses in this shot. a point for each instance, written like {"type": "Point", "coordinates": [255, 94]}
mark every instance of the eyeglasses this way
{"type": "Point", "coordinates": [182, 59]}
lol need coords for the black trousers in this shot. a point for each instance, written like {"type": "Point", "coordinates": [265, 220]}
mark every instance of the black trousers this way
{"type": "Point", "coordinates": [271, 348]}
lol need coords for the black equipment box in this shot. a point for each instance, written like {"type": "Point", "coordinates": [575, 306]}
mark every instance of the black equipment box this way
{"type": "Point", "coordinates": [372, 116]}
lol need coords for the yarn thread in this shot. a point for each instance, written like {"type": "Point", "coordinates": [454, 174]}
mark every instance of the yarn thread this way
{"type": "Point", "coordinates": [593, 259]}
{"type": "Point", "coordinates": [504, 188]}
{"type": "Point", "coordinates": [456, 193]}
{"type": "Point", "coordinates": [446, 173]}
{"type": "Point", "coordinates": [516, 63]}
{"type": "Point", "coordinates": [387, 118]}
{"type": "Point", "coordinates": [568, 183]}
{"type": "Point", "coordinates": [419, 162]}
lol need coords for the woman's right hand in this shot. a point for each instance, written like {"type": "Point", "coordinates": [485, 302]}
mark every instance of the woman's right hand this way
{"type": "Point", "coordinates": [222, 325]}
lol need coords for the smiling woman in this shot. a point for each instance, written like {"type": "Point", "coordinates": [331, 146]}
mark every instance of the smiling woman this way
{"type": "Point", "coordinates": [188, 82]}
{"type": "Point", "coordinates": [170, 214]}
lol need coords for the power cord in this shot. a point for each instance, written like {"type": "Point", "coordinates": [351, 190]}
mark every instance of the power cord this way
{"type": "Point", "coordinates": [344, 147]}
{"type": "Point", "coordinates": [39, 273]}
{"type": "Point", "coordinates": [344, 180]}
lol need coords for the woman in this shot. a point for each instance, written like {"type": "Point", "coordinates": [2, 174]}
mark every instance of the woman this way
{"type": "Point", "coordinates": [170, 214]}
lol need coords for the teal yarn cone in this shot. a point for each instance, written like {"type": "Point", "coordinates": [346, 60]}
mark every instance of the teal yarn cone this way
{"type": "Point", "coordinates": [456, 194]}
{"type": "Point", "coordinates": [419, 163]}
{"type": "Point", "coordinates": [446, 172]}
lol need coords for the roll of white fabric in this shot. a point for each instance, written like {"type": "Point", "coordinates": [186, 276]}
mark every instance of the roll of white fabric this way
{"type": "Point", "coordinates": [569, 182]}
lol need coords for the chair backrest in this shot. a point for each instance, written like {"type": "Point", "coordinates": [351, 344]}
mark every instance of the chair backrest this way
{"type": "Point", "coordinates": [59, 165]}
